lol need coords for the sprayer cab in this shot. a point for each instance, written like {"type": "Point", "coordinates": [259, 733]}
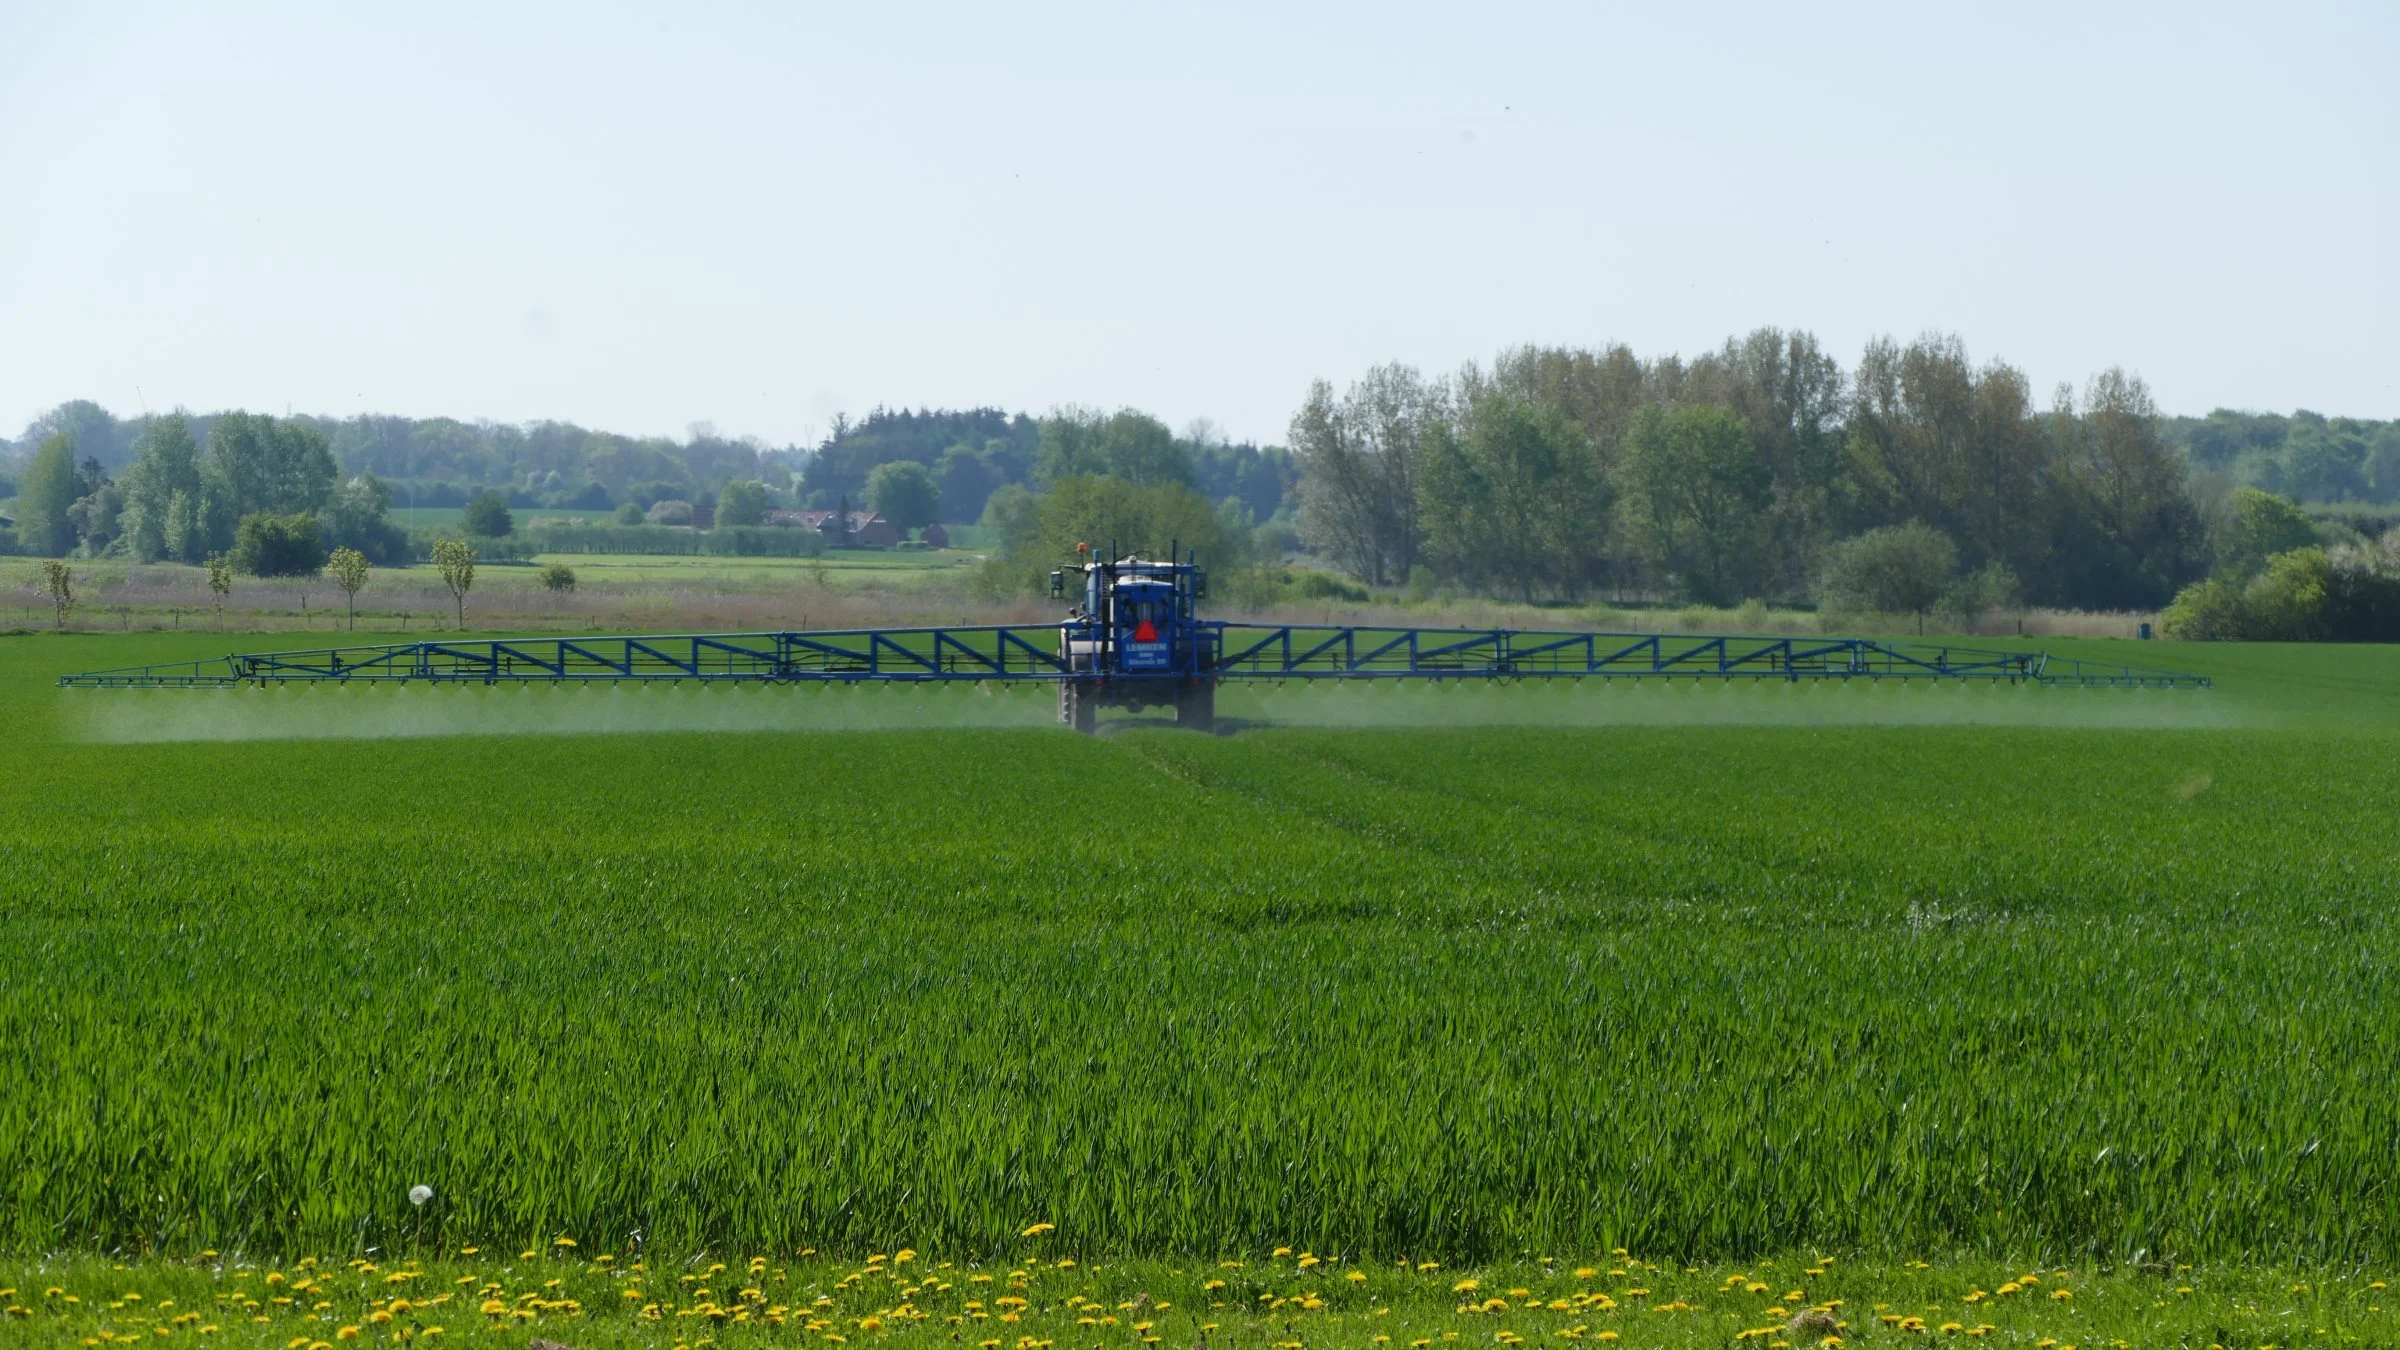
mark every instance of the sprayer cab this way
{"type": "Point", "coordinates": [1136, 640]}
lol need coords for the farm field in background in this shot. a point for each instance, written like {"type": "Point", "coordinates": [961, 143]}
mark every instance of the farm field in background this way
{"type": "Point", "coordinates": [968, 537]}
{"type": "Point", "coordinates": [849, 588]}
{"type": "Point", "coordinates": [2051, 994]}
{"type": "Point", "coordinates": [847, 564]}
{"type": "Point", "coordinates": [844, 587]}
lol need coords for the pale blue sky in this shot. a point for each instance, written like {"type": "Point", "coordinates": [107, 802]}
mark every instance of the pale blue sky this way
{"type": "Point", "coordinates": [638, 218]}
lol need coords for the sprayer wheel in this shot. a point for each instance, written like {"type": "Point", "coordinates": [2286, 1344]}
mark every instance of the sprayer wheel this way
{"type": "Point", "coordinates": [1076, 707]}
{"type": "Point", "coordinates": [1196, 706]}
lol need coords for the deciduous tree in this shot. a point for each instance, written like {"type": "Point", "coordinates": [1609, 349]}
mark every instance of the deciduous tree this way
{"type": "Point", "coordinates": [220, 582]}
{"type": "Point", "coordinates": [1695, 500]}
{"type": "Point", "coordinates": [1358, 461]}
{"type": "Point", "coordinates": [1516, 502]}
{"type": "Point", "coordinates": [348, 568]}
{"type": "Point", "coordinates": [488, 516]}
{"type": "Point", "coordinates": [166, 464]}
{"type": "Point", "coordinates": [744, 501]}
{"type": "Point", "coordinates": [2256, 526]}
{"type": "Point", "coordinates": [903, 492]}
{"type": "Point", "coordinates": [46, 498]}
{"type": "Point", "coordinates": [58, 580]}
{"type": "Point", "coordinates": [455, 560]}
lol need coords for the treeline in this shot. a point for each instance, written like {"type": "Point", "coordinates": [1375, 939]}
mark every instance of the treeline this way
{"type": "Point", "coordinates": [969, 456]}
{"type": "Point", "coordinates": [442, 462]}
{"type": "Point", "coordinates": [273, 493]}
{"type": "Point", "coordinates": [1564, 472]}
{"type": "Point", "coordinates": [1912, 479]}
{"type": "Point", "coordinates": [263, 491]}
{"type": "Point", "coordinates": [2306, 456]}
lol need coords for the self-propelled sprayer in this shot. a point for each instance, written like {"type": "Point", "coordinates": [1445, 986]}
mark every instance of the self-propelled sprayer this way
{"type": "Point", "coordinates": [1134, 639]}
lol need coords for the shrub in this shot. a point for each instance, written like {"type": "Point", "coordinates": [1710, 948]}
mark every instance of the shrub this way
{"type": "Point", "coordinates": [1315, 585]}
{"type": "Point", "coordinates": [2207, 611]}
{"type": "Point", "coordinates": [1899, 569]}
{"type": "Point", "coordinates": [1277, 538]}
{"type": "Point", "coordinates": [2351, 594]}
{"type": "Point", "coordinates": [2286, 602]}
{"type": "Point", "coordinates": [278, 546]}
{"type": "Point", "coordinates": [1993, 586]}
{"type": "Point", "coordinates": [558, 579]}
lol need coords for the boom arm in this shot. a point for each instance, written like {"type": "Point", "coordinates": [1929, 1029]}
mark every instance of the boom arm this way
{"type": "Point", "coordinates": [1239, 652]}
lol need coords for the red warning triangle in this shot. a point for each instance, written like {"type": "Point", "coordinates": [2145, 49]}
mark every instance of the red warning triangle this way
{"type": "Point", "coordinates": [1145, 631]}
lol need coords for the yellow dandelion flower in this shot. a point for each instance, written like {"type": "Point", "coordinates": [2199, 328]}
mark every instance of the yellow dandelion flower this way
{"type": "Point", "coordinates": [2061, 1295]}
{"type": "Point", "coordinates": [1038, 1229]}
{"type": "Point", "coordinates": [562, 1241]}
{"type": "Point", "coordinates": [346, 1334]}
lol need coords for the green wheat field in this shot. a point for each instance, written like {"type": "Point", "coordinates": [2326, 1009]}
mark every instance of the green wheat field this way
{"type": "Point", "coordinates": [1515, 1020]}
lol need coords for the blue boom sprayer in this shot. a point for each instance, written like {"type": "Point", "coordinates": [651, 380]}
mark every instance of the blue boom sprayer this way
{"type": "Point", "coordinates": [1134, 639]}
